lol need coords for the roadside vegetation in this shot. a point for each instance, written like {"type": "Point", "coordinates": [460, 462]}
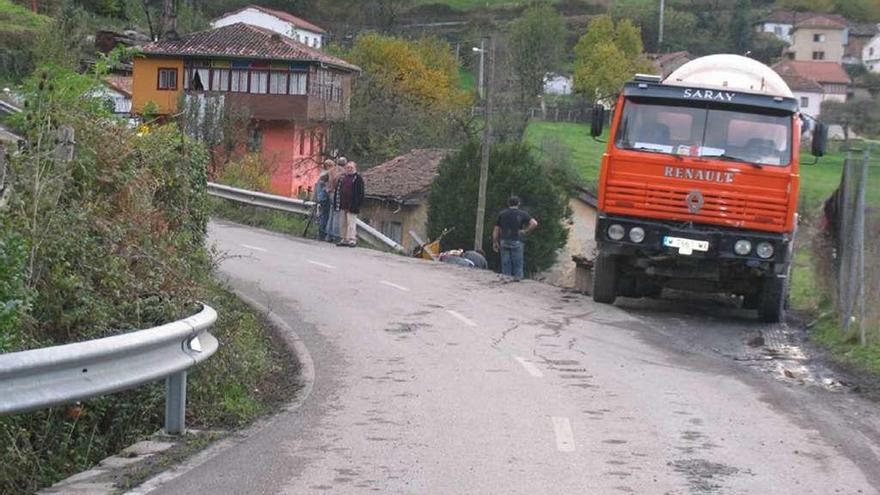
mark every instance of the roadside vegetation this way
{"type": "Point", "coordinates": [102, 231]}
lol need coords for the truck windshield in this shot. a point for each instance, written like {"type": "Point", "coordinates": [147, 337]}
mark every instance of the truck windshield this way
{"type": "Point", "coordinates": [753, 136]}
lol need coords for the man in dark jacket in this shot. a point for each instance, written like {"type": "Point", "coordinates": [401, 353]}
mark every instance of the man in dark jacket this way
{"type": "Point", "coordinates": [350, 194]}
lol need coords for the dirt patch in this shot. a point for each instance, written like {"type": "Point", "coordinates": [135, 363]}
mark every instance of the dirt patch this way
{"type": "Point", "coordinates": [703, 476]}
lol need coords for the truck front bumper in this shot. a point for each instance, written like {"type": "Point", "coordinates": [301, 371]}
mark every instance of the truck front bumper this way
{"type": "Point", "coordinates": [707, 244]}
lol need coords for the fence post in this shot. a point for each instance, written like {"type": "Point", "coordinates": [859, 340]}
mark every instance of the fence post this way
{"type": "Point", "coordinates": [844, 245]}
{"type": "Point", "coordinates": [175, 404]}
{"type": "Point", "coordinates": [860, 244]}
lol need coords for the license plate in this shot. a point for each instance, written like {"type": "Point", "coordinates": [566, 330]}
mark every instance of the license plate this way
{"type": "Point", "coordinates": [685, 246]}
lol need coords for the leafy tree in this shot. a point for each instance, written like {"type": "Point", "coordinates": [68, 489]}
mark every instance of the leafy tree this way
{"type": "Point", "coordinates": [512, 170]}
{"type": "Point", "coordinates": [536, 43]}
{"type": "Point", "coordinates": [740, 31]}
{"type": "Point", "coordinates": [859, 10]}
{"type": "Point", "coordinates": [606, 57]}
{"type": "Point", "coordinates": [808, 5]}
{"type": "Point", "coordinates": [407, 96]}
{"type": "Point", "coordinates": [860, 115]}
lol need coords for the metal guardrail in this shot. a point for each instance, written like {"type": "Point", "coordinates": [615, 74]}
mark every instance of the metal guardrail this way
{"type": "Point", "coordinates": [52, 376]}
{"type": "Point", "coordinates": [298, 206]}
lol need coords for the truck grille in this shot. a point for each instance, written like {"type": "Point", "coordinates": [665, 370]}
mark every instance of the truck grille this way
{"type": "Point", "coordinates": [731, 208]}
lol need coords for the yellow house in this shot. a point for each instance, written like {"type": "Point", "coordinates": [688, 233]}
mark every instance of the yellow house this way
{"type": "Point", "coordinates": [156, 80]}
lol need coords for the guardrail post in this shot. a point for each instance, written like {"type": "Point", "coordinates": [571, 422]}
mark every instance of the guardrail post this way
{"type": "Point", "coordinates": [175, 404]}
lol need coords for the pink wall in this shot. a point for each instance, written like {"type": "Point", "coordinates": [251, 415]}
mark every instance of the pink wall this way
{"type": "Point", "coordinates": [291, 151]}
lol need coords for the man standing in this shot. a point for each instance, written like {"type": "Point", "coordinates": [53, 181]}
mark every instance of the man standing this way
{"type": "Point", "coordinates": [511, 225]}
{"type": "Point", "coordinates": [336, 174]}
{"type": "Point", "coordinates": [322, 197]}
{"type": "Point", "coordinates": [350, 192]}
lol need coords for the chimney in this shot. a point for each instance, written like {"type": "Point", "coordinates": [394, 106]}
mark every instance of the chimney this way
{"type": "Point", "coordinates": [276, 38]}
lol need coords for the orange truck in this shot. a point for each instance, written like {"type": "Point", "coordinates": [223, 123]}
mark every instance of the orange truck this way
{"type": "Point", "coordinates": [699, 185]}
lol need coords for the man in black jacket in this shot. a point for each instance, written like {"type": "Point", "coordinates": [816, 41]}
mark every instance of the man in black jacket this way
{"type": "Point", "coordinates": [350, 194]}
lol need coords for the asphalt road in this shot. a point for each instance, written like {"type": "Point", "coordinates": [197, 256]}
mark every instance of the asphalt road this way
{"type": "Point", "coordinates": [435, 379]}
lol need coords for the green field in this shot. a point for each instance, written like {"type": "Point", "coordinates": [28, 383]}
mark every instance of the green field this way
{"type": "Point", "coordinates": [467, 80]}
{"type": "Point", "coordinates": [817, 181]}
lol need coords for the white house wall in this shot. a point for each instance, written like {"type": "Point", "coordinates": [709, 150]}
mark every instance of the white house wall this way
{"type": "Point", "coordinates": [782, 31]}
{"type": "Point", "coordinates": [871, 54]}
{"type": "Point", "coordinates": [261, 19]}
{"type": "Point", "coordinates": [814, 100]}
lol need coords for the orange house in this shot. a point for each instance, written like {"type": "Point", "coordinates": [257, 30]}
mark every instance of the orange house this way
{"type": "Point", "coordinates": [291, 92]}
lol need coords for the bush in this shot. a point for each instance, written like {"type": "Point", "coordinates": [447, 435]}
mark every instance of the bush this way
{"type": "Point", "coordinates": [512, 170]}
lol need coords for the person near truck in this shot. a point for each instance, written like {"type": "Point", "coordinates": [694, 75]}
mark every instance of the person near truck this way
{"type": "Point", "coordinates": [507, 237]}
{"type": "Point", "coordinates": [322, 197]}
{"type": "Point", "coordinates": [335, 174]}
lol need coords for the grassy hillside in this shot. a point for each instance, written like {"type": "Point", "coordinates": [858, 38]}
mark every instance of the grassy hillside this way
{"type": "Point", "coordinates": [19, 27]}
{"type": "Point", "coordinates": [465, 5]}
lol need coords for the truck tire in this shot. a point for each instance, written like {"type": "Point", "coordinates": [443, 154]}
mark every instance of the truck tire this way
{"type": "Point", "coordinates": [771, 303]}
{"type": "Point", "coordinates": [605, 279]}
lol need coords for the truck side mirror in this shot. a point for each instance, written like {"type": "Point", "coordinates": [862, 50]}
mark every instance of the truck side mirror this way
{"type": "Point", "coordinates": [598, 120]}
{"type": "Point", "coordinates": [820, 139]}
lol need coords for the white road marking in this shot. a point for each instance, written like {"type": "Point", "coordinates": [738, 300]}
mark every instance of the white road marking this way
{"type": "Point", "coordinates": [392, 284]}
{"type": "Point", "coordinates": [530, 367]}
{"type": "Point", "coordinates": [325, 265]}
{"type": "Point", "coordinates": [461, 318]}
{"type": "Point", "coordinates": [255, 248]}
{"type": "Point", "coordinates": [564, 436]}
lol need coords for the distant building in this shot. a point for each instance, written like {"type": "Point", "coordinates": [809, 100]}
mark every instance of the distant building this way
{"type": "Point", "coordinates": [278, 21]}
{"type": "Point", "coordinates": [822, 37]}
{"type": "Point", "coordinates": [871, 54]}
{"type": "Point", "coordinates": [557, 84]}
{"type": "Point", "coordinates": [396, 195]}
{"type": "Point", "coordinates": [860, 35]}
{"type": "Point", "coordinates": [290, 91]}
{"type": "Point", "coordinates": [117, 89]}
{"type": "Point", "coordinates": [666, 63]}
{"type": "Point", "coordinates": [814, 82]}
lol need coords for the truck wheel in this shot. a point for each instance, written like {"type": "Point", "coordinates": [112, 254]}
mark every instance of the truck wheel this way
{"type": "Point", "coordinates": [771, 303]}
{"type": "Point", "coordinates": [605, 279]}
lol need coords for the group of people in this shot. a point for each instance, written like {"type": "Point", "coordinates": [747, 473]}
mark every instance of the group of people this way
{"type": "Point", "coordinates": [339, 193]}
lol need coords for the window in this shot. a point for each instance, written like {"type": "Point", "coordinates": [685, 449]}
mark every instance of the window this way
{"type": "Point", "coordinates": [757, 136]}
{"type": "Point", "coordinates": [168, 79]}
{"type": "Point", "coordinates": [255, 139]}
{"type": "Point", "coordinates": [777, 30]}
{"type": "Point", "coordinates": [220, 80]}
{"type": "Point", "coordinates": [239, 81]}
{"type": "Point", "coordinates": [393, 230]}
{"type": "Point", "coordinates": [259, 82]}
{"type": "Point", "coordinates": [278, 83]}
{"type": "Point", "coordinates": [199, 78]}
{"type": "Point", "coordinates": [870, 50]}
{"type": "Point", "coordinates": [818, 38]}
{"type": "Point", "coordinates": [805, 102]}
{"type": "Point", "coordinates": [302, 142]}
{"type": "Point", "coordinates": [298, 83]}
{"type": "Point", "coordinates": [818, 55]}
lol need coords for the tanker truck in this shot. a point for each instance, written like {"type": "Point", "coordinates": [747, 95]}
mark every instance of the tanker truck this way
{"type": "Point", "coordinates": [698, 187]}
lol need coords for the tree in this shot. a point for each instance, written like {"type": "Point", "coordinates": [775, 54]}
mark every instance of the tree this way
{"type": "Point", "coordinates": [740, 31]}
{"type": "Point", "coordinates": [407, 96]}
{"type": "Point", "coordinates": [859, 10]}
{"type": "Point", "coordinates": [606, 57]}
{"type": "Point", "coordinates": [808, 5]}
{"type": "Point", "coordinates": [512, 170]}
{"type": "Point", "coordinates": [860, 115]}
{"type": "Point", "coordinates": [536, 42]}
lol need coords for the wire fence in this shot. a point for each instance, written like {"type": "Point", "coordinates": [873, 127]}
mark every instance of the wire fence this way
{"type": "Point", "coordinates": [854, 224]}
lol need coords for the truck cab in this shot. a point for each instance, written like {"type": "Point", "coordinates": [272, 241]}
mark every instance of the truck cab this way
{"type": "Point", "coordinates": [699, 185]}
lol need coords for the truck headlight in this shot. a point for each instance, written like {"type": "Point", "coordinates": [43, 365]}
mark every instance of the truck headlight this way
{"type": "Point", "coordinates": [616, 232]}
{"type": "Point", "coordinates": [637, 234]}
{"type": "Point", "coordinates": [742, 247]}
{"type": "Point", "coordinates": [765, 250]}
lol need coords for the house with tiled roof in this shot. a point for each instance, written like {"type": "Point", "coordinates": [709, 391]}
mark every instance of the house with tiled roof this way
{"type": "Point", "coordinates": [290, 91]}
{"type": "Point", "coordinates": [396, 194]}
{"type": "Point", "coordinates": [810, 35]}
{"type": "Point", "coordinates": [281, 22]}
{"type": "Point", "coordinates": [814, 82]}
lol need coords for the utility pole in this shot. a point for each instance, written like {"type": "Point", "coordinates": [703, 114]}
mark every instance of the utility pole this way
{"type": "Point", "coordinates": [482, 51]}
{"type": "Point", "coordinates": [660, 36]}
{"type": "Point", "coordinates": [487, 145]}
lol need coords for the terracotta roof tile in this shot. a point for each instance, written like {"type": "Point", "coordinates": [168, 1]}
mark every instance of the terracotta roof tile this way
{"type": "Point", "coordinates": [119, 83]}
{"type": "Point", "coordinates": [821, 72]}
{"type": "Point", "coordinates": [405, 176]}
{"type": "Point", "coordinates": [806, 19]}
{"type": "Point", "coordinates": [797, 82]}
{"type": "Point", "coordinates": [242, 40]}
